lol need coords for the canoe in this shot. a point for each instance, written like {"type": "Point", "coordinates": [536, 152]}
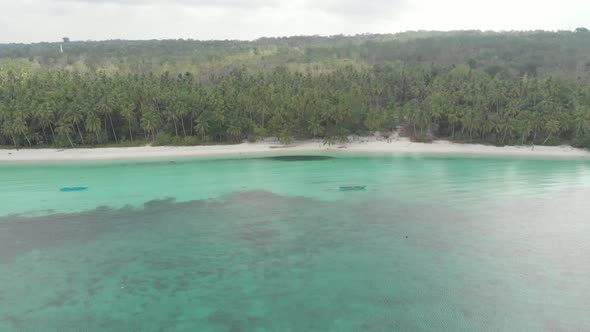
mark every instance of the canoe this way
{"type": "Point", "coordinates": [70, 189]}
{"type": "Point", "coordinates": [352, 188]}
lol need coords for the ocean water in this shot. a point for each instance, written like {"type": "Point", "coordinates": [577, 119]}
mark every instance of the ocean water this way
{"type": "Point", "coordinates": [271, 244]}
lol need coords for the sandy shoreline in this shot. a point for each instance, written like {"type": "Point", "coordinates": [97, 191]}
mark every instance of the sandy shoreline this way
{"type": "Point", "coordinates": [261, 148]}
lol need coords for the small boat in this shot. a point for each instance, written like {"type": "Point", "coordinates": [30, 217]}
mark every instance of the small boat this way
{"type": "Point", "coordinates": [71, 189]}
{"type": "Point", "coordinates": [352, 188]}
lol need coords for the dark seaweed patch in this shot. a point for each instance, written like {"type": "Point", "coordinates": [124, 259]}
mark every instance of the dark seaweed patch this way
{"type": "Point", "coordinates": [299, 158]}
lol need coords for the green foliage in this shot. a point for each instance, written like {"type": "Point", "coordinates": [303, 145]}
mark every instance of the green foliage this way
{"type": "Point", "coordinates": [553, 141]}
{"type": "Point", "coordinates": [509, 54]}
{"type": "Point", "coordinates": [285, 137]}
{"type": "Point", "coordinates": [582, 142]}
{"type": "Point", "coordinates": [464, 86]}
{"type": "Point", "coordinates": [423, 138]}
{"type": "Point", "coordinates": [164, 140]}
{"type": "Point", "coordinates": [169, 140]}
{"type": "Point", "coordinates": [123, 144]}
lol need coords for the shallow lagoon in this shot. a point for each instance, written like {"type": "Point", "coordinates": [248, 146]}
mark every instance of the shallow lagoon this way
{"type": "Point", "coordinates": [271, 244]}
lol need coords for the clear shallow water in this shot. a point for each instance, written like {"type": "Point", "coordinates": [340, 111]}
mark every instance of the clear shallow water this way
{"type": "Point", "coordinates": [434, 243]}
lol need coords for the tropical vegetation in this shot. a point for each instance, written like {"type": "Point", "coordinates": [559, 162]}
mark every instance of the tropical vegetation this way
{"type": "Point", "coordinates": [498, 88]}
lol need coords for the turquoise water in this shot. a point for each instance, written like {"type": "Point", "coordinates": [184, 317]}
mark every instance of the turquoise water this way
{"type": "Point", "coordinates": [262, 244]}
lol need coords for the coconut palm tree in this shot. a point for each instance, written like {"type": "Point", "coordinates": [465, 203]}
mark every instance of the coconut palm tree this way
{"type": "Point", "coordinates": [552, 127]}
{"type": "Point", "coordinates": [19, 127]}
{"type": "Point", "coordinates": [108, 106]}
{"type": "Point", "coordinates": [64, 129]}
{"type": "Point", "coordinates": [582, 119]}
{"type": "Point", "coordinates": [128, 112]}
{"type": "Point", "coordinates": [202, 126]}
{"type": "Point", "coordinates": [45, 114]}
{"type": "Point", "coordinates": [150, 123]}
{"type": "Point", "coordinates": [93, 124]}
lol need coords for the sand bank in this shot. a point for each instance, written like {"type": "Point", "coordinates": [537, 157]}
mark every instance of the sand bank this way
{"type": "Point", "coordinates": [363, 145]}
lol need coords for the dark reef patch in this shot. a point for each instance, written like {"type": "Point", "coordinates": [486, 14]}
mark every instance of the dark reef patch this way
{"type": "Point", "coordinates": [299, 158]}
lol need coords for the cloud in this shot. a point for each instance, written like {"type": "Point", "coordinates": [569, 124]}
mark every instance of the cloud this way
{"type": "Point", "coordinates": [332, 7]}
{"type": "Point", "coordinates": [379, 8]}
{"type": "Point", "coordinates": [244, 4]}
{"type": "Point", "coordinates": [49, 20]}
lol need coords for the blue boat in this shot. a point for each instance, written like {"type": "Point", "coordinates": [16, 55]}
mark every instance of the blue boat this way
{"type": "Point", "coordinates": [72, 189]}
{"type": "Point", "coordinates": [352, 188]}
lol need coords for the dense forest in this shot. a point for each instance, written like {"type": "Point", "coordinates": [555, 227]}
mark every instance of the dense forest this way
{"type": "Point", "coordinates": [468, 86]}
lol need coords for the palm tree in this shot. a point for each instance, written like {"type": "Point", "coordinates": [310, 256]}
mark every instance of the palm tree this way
{"type": "Point", "coordinates": [3, 118]}
{"type": "Point", "coordinates": [93, 124]}
{"type": "Point", "coordinates": [234, 131]}
{"type": "Point", "coordinates": [74, 118]}
{"type": "Point", "coordinates": [202, 126]}
{"type": "Point", "coordinates": [582, 119]}
{"type": "Point", "coordinates": [315, 126]}
{"type": "Point", "coordinates": [150, 123]}
{"type": "Point", "coordinates": [129, 115]}
{"type": "Point", "coordinates": [182, 111]}
{"type": "Point", "coordinates": [172, 114]}
{"type": "Point", "coordinates": [108, 108]}
{"type": "Point", "coordinates": [19, 127]}
{"type": "Point", "coordinates": [7, 130]}
{"type": "Point", "coordinates": [505, 123]}
{"type": "Point", "coordinates": [525, 123]}
{"type": "Point", "coordinates": [46, 117]}
{"type": "Point", "coordinates": [552, 127]}
{"type": "Point", "coordinates": [470, 122]}
{"type": "Point", "coordinates": [64, 128]}
{"type": "Point", "coordinates": [422, 118]}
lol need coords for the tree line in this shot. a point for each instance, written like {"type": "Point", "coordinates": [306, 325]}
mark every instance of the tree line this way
{"type": "Point", "coordinates": [70, 108]}
{"type": "Point", "coordinates": [539, 54]}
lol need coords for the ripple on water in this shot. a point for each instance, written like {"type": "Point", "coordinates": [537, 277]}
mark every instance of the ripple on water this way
{"type": "Point", "coordinates": [433, 245]}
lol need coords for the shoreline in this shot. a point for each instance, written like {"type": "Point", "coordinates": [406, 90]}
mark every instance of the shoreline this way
{"type": "Point", "coordinates": [364, 145]}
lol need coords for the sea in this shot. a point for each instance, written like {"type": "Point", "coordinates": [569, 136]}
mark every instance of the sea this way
{"type": "Point", "coordinates": [259, 243]}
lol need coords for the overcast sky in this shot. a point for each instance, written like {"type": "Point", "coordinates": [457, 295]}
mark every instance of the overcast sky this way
{"type": "Point", "coordinates": [49, 20]}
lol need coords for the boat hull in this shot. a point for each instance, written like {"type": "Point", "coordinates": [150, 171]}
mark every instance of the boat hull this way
{"type": "Point", "coordinates": [72, 189]}
{"type": "Point", "coordinates": [352, 188]}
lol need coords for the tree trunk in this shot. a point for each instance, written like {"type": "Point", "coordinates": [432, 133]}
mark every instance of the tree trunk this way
{"type": "Point", "coordinates": [130, 134]}
{"type": "Point", "coordinates": [175, 127]}
{"type": "Point", "coordinates": [52, 133]}
{"type": "Point", "coordinates": [72, 144]}
{"type": "Point", "coordinates": [113, 128]}
{"type": "Point", "coordinates": [546, 139]}
{"type": "Point", "coordinates": [182, 124]}
{"type": "Point", "coordinates": [44, 133]}
{"type": "Point", "coordinates": [80, 133]}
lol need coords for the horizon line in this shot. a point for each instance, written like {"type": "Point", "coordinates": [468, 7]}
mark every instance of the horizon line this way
{"type": "Point", "coordinates": [295, 36]}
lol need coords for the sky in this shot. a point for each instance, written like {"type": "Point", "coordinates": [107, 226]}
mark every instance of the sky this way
{"type": "Point", "coordinates": [26, 21]}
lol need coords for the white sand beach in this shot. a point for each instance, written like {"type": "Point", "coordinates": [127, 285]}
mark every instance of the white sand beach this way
{"type": "Point", "coordinates": [361, 145]}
